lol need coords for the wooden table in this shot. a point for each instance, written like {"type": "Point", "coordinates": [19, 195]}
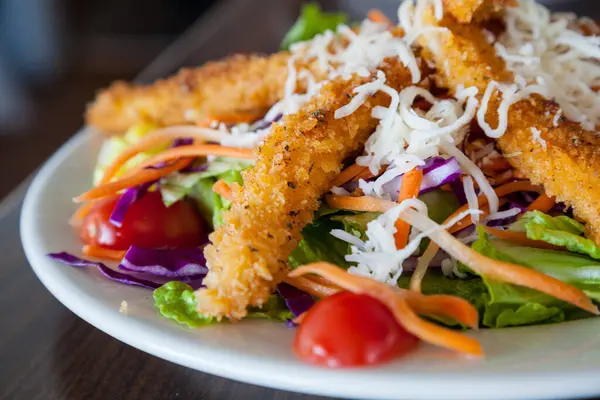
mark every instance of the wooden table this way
{"type": "Point", "coordinates": [46, 352]}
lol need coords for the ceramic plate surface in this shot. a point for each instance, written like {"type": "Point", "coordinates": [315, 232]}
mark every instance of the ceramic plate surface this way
{"type": "Point", "coordinates": [553, 361]}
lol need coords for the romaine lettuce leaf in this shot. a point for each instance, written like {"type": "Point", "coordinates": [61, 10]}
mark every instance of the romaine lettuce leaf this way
{"type": "Point", "coordinates": [317, 244]}
{"type": "Point", "coordinates": [274, 309]}
{"type": "Point", "coordinates": [511, 305]}
{"type": "Point", "coordinates": [198, 187]}
{"type": "Point", "coordinates": [560, 231]}
{"type": "Point", "coordinates": [311, 22]}
{"type": "Point", "coordinates": [177, 301]}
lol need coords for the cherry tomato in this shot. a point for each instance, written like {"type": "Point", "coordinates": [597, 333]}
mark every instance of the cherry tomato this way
{"type": "Point", "coordinates": [147, 223]}
{"type": "Point", "coordinates": [347, 329]}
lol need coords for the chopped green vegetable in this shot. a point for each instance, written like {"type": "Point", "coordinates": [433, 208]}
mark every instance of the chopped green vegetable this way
{"type": "Point", "coordinates": [559, 231]}
{"type": "Point", "coordinates": [317, 244]}
{"type": "Point", "coordinates": [510, 305]}
{"type": "Point", "coordinates": [356, 224]}
{"type": "Point", "coordinates": [312, 21]}
{"type": "Point", "coordinates": [274, 309]}
{"type": "Point", "coordinates": [177, 301]}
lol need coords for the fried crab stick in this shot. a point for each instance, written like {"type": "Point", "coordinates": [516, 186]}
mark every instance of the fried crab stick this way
{"type": "Point", "coordinates": [294, 166]}
{"type": "Point", "coordinates": [568, 166]}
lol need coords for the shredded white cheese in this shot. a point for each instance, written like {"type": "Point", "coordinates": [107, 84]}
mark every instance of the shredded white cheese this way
{"type": "Point", "coordinates": [471, 197]}
{"type": "Point", "coordinates": [536, 136]}
{"type": "Point", "coordinates": [378, 257]}
{"type": "Point", "coordinates": [503, 214]}
{"type": "Point", "coordinates": [554, 58]}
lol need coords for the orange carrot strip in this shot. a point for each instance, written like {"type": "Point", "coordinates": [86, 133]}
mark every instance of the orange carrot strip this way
{"type": "Point", "coordinates": [425, 259]}
{"type": "Point", "coordinates": [378, 16]}
{"type": "Point", "coordinates": [409, 189]}
{"type": "Point", "coordinates": [348, 174]}
{"type": "Point", "coordinates": [143, 176]}
{"type": "Point", "coordinates": [494, 269]}
{"type": "Point", "coordinates": [158, 138]}
{"type": "Point", "coordinates": [367, 174]}
{"type": "Point", "coordinates": [453, 307]}
{"type": "Point", "coordinates": [223, 189]}
{"type": "Point", "coordinates": [239, 117]}
{"type": "Point", "coordinates": [80, 214]}
{"type": "Point", "coordinates": [105, 254]}
{"type": "Point", "coordinates": [520, 238]}
{"type": "Point", "coordinates": [397, 304]}
{"type": "Point", "coordinates": [312, 287]}
{"type": "Point", "coordinates": [195, 150]}
{"type": "Point", "coordinates": [543, 203]}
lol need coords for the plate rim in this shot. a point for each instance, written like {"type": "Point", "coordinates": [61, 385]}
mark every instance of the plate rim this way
{"type": "Point", "coordinates": [538, 384]}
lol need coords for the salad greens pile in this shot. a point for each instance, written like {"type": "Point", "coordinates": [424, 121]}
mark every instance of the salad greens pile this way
{"type": "Point", "coordinates": [499, 304]}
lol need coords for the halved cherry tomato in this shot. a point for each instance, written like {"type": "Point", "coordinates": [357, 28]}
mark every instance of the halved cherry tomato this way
{"type": "Point", "coordinates": [347, 330]}
{"type": "Point", "coordinates": [147, 223]}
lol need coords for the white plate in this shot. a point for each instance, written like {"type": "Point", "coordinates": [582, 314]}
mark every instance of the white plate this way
{"type": "Point", "coordinates": [553, 361]}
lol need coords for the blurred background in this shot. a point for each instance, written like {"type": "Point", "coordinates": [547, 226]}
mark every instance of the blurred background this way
{"type": "Point", "coordinates": [54, 54]}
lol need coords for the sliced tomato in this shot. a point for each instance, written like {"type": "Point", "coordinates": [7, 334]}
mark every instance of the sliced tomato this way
{"type": "Point", "coordinates": [147, 223]}
{"type": "Point", "coordinates": [347, 330]}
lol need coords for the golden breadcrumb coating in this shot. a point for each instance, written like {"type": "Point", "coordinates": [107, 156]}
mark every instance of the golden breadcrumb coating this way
{"type": "Point", "coordinates": [570, 166]}
{"type": "Point", "coordinates": [294, 167]}
{"type": "Point", "coordinates": [466, 11]}
{"type": "Point", "coordinates": [238, 84]}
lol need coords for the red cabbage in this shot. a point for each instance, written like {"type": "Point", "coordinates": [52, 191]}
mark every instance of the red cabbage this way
{"type": "Point", "coordinates": [128, 197]}
{"type": "Point", "coordinates": [296, 300]}
{"type": "Point", "coordinates": [111, 274]}
{"type": "Point", "coordinates": [167, 263]}
{"type": "Point", "coordinates": [437, 172]}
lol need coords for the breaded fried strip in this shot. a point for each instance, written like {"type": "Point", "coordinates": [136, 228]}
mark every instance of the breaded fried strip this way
{"type": "Point", "coordinates": [570, 166]}
{"type": "Point", "coordinates": [466, 11]}
{"type": "Point", "coordinates": [295, 166]}
{"type": "Point", "coordinates": [241, 83]}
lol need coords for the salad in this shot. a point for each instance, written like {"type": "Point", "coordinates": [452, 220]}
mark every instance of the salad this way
{"type": "Point", "coordinates": [372, 185]}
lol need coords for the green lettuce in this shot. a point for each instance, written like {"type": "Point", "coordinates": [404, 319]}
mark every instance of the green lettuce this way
{"type": "Point", "coordinates": [177, 301]}
{"type": "Point", "coordinates": [511, 305]}
{"type": "Point", "coordinates": [312, 21]}
{"type": "Point", "coordinates": [559, 231]}
{"type": "Point", "coordinates": [198, 187]}
{"type": "Point", "coordinates": [274, 309]}
{"type": "Point", "coordinates": [318, 244]}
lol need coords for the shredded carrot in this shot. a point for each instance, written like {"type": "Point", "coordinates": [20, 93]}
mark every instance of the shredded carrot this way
{"type": "Point", "coordinates": [195, 150]}
{"type": "Point", "coordinates": [239, 117]}
{"type": "Point", "coordinates": [378, 16]}
{"type": "Point", "coordinates": [143, 176]}
{"type": "Point", "coordinates": [398, 305]}
{"type": "Point", "coordinates": [520, 238]}
{"type": "Point", "coordinates": [311, 286]}
{"type": "Point", "coordinates": [494, 269]}
{"type": "Point", "coordinates": [223, 189]}
{"type": "Point", "coordinates": [105, 254]}
{"type": "Point", "coordinates": [409, 189]}
{"type": "Point", "coordinates": [367, 174]}
{"type": "Point", "coordinates": [80, 214]}
{"type": "Point", "coordinates": [453, 307]}
{"type": "Point", "coordinates": [348, 174]}
{"type": "Point", "coordinates": [156, 139]}
{"type": "Point", "coordinates": [543, 203]}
